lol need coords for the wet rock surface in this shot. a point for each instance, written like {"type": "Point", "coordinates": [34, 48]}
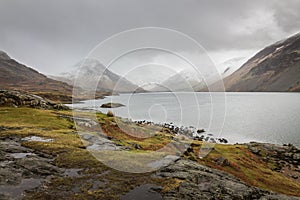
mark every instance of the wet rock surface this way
{"type": "Point", "coordinates": [22, 169]}
{"type": "Point", "coordinates": [97, 143]}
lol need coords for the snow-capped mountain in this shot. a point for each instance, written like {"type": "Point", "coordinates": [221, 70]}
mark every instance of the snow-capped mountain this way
{"type": "Point", "coordinates": [90, 74]}
{"type": "Point", "coordinates": [185, 80]}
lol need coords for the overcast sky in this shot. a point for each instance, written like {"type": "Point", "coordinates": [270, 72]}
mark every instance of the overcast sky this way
{"type": "Point", "coordinates": [52, 36]}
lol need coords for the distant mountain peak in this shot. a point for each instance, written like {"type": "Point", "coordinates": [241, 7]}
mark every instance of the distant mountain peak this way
{"type": "Point", "coordinates": [90, 74]}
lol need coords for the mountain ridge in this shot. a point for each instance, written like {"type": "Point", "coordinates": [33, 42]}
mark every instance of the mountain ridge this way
{"type": "Point", "coordinates": [17, 76]}
{"type": "Point", "coordinates": [276, 68]}
{"type": "Point", "coordinates": [86, 75]}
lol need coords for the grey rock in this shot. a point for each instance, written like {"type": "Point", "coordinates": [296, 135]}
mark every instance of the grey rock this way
{"type": "Point", "coordinates": [200, 182]}
{"type": "Point", "coordinates": [296, 156]}
{"type": "Point", "coordinates": [21, 168]}
{"type": "Point", "coordinates": [278, 153]}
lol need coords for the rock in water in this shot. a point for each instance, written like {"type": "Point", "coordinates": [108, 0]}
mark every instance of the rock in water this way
{"type": "Point", "coordinates": [111, 105]}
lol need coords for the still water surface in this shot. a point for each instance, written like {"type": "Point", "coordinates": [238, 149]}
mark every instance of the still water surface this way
{"type": "Point", "coordinates": [239, 117]}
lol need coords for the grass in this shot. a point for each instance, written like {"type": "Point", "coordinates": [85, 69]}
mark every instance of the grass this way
{"type": "Point", "coordinates": [127, 134]}
{"type": "Point", "coordinates": [69, 152]}
{"type": "Point", "coordinates": [251, 169]}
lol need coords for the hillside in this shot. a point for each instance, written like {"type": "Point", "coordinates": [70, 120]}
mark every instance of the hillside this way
{"type": "Point", "coordinates": [87, 73]}
{"type": "Point", "coordinates": [275, 68]}
{"type": "Point", "coordinates": [16, 76]}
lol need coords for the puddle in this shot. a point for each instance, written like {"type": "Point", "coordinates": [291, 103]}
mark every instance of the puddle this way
{"type": "Point", "coordinates": [21, 155]}
{"type": "Point", "coordinates": [37, 139]}
{"type": "Point", "coordinates": [144, 192]}
{"type": "Point", "coordinates": [16, 191]}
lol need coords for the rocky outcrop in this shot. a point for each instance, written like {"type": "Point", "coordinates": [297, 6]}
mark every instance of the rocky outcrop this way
{"type": "Point", "coordinates": [22, 169]}
{"type": "Point", "coordinates": [200, 182]}
{"type": "Point", "coordinates": [286, 158]}
{"type": "Point", "coordinates": [19, 99]}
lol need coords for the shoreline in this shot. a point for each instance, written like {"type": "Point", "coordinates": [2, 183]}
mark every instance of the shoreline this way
{"type": "Point", "coordinates": [187, 127]}
{"type": "Point", "coordinates": [49, 149]}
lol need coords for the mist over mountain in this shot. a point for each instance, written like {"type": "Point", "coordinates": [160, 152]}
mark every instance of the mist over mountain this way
{"type": "Point", "coordinates": [90, 74]}
{"type": "Point", "coordinates": [186, 80]}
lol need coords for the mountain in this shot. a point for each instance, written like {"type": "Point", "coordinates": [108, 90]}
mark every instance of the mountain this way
{"type": "Point", "coordinates": [16, 76]}
{"type": "Point", "coordinates": [185, 80]}
{"type": "Point", "coordinates": [229, 66]}
{"type": "Point", "coordinates": [87, 72]}
{"type": "Point", "coordinates": [275, 68]}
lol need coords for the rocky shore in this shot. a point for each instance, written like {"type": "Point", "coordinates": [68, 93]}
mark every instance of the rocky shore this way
{"type": "Point", "coordinates": [24, 170]}
{"type": "Point", "coordinates": [44, 157]}
{"type": "Point", "coordinates": [189, 131]}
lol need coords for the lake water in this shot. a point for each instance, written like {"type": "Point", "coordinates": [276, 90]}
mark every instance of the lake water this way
{"type": "Point", "coordinates": [239, 117]}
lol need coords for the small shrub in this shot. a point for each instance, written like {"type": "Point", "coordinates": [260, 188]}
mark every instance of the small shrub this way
{"type": "Point", "coordinates": [110, 114]}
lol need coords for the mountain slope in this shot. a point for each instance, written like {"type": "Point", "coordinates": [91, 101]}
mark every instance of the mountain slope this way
{"type": "Point", "coordinates": [16, 76]}
{"type": "Point", "coordinates": [275, 68]}
{"type": "Point", "coordinates": [87, 73]}
{"type": "Point", "coordinates": [230, 66]}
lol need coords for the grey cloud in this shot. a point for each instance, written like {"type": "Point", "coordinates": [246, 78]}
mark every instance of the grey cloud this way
{"type": "Point", "coordinates": [53, 35]}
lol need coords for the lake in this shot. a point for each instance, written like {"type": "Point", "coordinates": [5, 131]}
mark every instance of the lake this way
{"type": "Point", "coordinates": [238, 117]}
